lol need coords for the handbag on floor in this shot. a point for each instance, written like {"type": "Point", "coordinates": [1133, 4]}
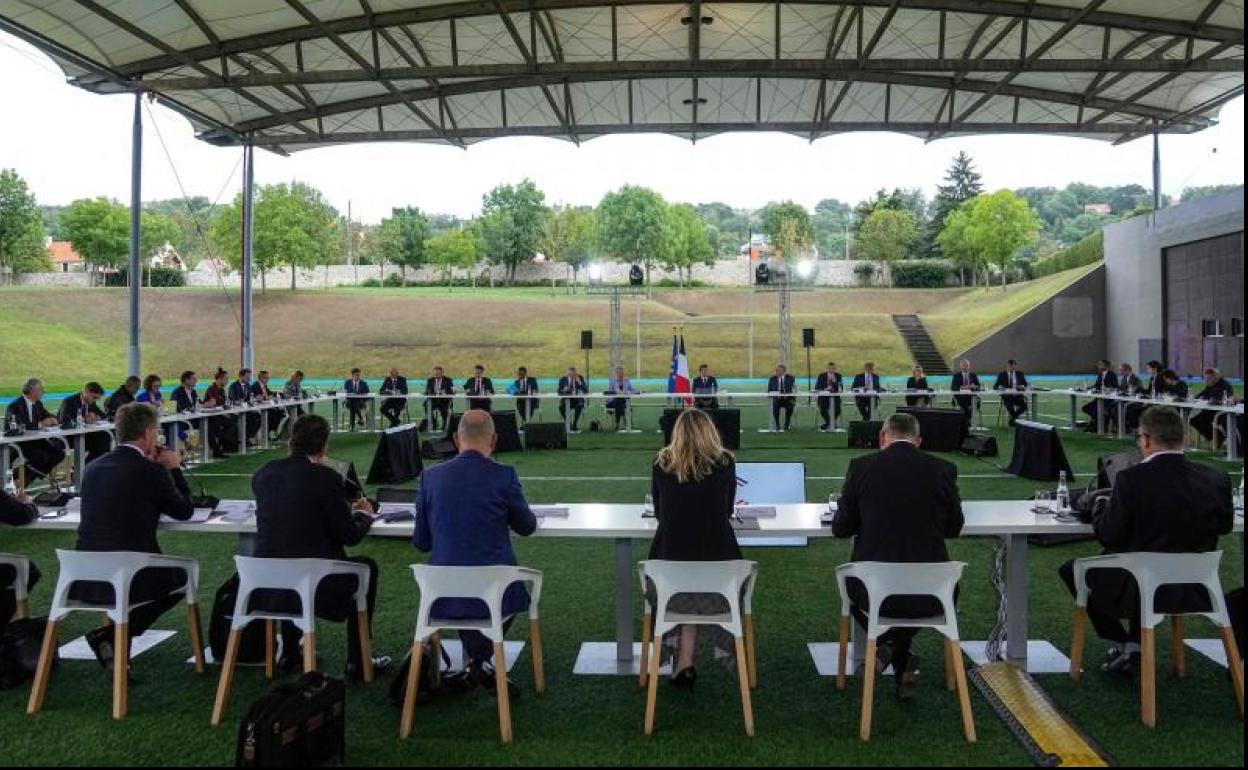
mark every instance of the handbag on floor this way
{"type": "Point", "coordinates": [295, 725]}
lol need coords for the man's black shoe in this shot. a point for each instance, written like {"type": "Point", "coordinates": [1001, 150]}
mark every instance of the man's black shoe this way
{"type": "Point", "coordinates": [908, 679]}
{"type": "Point", "coordinates": [1123, 664]}
{"type": "Point", "coordinates": [381, 666]}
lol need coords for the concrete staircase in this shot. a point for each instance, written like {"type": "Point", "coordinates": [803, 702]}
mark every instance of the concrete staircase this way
{"type": "Point", "coordinates": [922, 348]}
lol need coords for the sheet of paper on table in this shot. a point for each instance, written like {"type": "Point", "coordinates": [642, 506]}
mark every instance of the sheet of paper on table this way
{"type": "Point", "coordinates": [236, 510]}
{"type": "Point", "coordinates": [198, 517]}
{"type": "Point", "coordinates": [396, 511]}
{"type": "Point", "coordinates": [551, 512]}
{"type": "Point", "coordinates": [756, 511]}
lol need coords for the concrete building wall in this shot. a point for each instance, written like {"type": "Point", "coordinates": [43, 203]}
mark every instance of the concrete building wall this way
{"type": "Point", "coordinates": [1134, 293]}
{"type": "Point", "coordinates": [1063, 335]}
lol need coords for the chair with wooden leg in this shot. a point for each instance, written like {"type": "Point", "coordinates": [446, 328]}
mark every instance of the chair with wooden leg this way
{"type": "Point", "coordinates": [118, 569]}
{"type": "Point", "coordinates": [21, 578]}
{"type": "Point", "coordinates": [882, 580]}
{"type": "Point", "coordinates": [488, 584]}
{"type": "Point", "coordinates": [301, 577]}
{"type": "Point", "coordinates": [733, 580]}
{"type": "Point", "coordinates": [1151, 572]}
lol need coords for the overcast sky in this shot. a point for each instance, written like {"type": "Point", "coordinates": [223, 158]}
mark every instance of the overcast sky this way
{"type": "Point", "coordinates": [71, 144]}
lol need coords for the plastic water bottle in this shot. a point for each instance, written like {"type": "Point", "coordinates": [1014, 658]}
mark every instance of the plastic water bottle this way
{"type": "Point", "coordinates": [1063, 494]}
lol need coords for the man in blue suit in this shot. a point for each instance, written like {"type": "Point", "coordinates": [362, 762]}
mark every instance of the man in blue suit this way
{"type": "Point", "coordinates": [466, 510]}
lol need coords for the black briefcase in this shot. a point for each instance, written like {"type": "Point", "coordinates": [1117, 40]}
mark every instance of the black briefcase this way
{"type": "Point", "coordinates": [865, 434]}
{"type": "Point", "coordinates": [438, 449]}
{"type": "Point", "coordinates": [545, 435]}
{"type": "Point", "coordinates": [979, 446]}
{"type": "Point", "coordinates": [295, 725]}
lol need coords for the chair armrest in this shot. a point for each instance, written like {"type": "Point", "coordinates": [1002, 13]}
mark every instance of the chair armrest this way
{"type": "Point", "coordinates": [1106, 561]}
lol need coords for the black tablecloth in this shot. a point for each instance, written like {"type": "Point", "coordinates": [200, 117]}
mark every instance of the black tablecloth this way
{"type": "Point", "coordinates": [397, 457]}
{"type": "Point", "coordinates": [1038, 453]}
{"type": "Point", "coordinates": [727, 422]}
{"type": "Point", "coordinates": [943, 430]}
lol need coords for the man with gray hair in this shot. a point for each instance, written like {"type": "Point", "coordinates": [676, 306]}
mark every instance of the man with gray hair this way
{"type": "Point", "coordinates": [965, 381]}
{"type": "Point", "coordinates": [1166, 504]}
{"type": "Point", "coordinates": [899, 505]}
{"type": "Point", "coordinates": [466, 510]}
{"type": "Point", "coordinates": [29, 413]}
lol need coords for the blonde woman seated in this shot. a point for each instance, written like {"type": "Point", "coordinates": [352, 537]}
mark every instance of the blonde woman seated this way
{"type": "Point", "coordinates": [694, 484]}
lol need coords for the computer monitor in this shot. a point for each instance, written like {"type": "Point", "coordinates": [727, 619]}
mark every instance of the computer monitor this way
{"type": "Point", "coordinates": [770, 483]}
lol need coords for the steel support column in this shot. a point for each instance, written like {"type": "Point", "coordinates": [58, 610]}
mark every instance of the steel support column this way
{"type": "Point", "coordinates": [249, 169]}
{"type": "Point", "coordinates": [1156, 167]}
{"type": "Point", "coordinates": [134, 363]}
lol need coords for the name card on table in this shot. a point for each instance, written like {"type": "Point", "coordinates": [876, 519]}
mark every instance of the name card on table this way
{"type": "Point", "coordinates": [551, 512]}
{"type": "Point", "coordinates": [756, 511]}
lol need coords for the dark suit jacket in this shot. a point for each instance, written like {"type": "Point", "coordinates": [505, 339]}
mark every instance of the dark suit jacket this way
{"type": "Point", "coordinates": [17, 411]}
{"type": "Point", "coordinates": [434, 387]}
{"type": "Point", "coordinates": [899, 504]}
{"type": "Point", "coordinates": [831, 384]}
{"type": "Point", "coordinates": [1179, 391]}
{"type": "Point", "coordinates": [786, 385]}
{"type": "Point", "coordinates": [354, 388]}
{"type": "Point", "coordinates": [1218, 391]}
{"type": "Point", "coordinates": [185, 398]}
{"type": "Point", "coordinates": [260, 391]}
{"type": "Point", "coordinates": [471, 389]}
{"type": "Point", "coordinates": [16, 514]}
{"type": "Point", "coordinates": [969, 380]}
{"type": "Point", "coordinates": [303, 511]}
{"type": "Point", "coordinates": [695, 518]}
{"type": "Point", "coordinates": [1155, 386]}
{"type": "Point", "coordinates": [708, 385]}
{"type": "Point", "coordinates": [116, 401]}
{"type": "Point", "coordinates": [919, 383]}
{"type": "Point", "coordinates": [124, 495]}
{"type": "Point", "coordinates": [526, 386]}
{"type": "Point", "coordinates": [572, 387]}
{"type": "Point", "coordinates": [1003, 381]}
{"type": "Point", "coordinates": [73, 406]}
{"type": "Point", "coordinates": [1168, 504]}
{"type": "Point", "coordinates": [240, 392]}
{"type": "Point", "coordinates": [1106, 381]}
{"type": "Point", "coordinates": [466, 510]}
{"type": "Point", "coordinates": [864, 381]}
{"type": "Point", "coordinates": [392, 385]}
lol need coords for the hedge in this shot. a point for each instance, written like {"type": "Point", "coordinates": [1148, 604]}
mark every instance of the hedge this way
{"type": "Point", "coordinates": [162, 277]}
{"type": "Point", "coordinates": [1087, 251]}
{"type": "Point", "coordinates": [926, 274]}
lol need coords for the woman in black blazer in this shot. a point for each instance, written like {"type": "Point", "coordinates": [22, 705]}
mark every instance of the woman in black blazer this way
{"type": "Point", "coordinates": [918, 381]}
{"type": "Point", "coordinates": [694, 484]}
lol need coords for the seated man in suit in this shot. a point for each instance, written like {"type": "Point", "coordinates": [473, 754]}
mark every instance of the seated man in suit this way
{"type": "Point", "coordinates": [28, 413]}
{"type": "Point", "coordinates": [466, 510]}
{"type": "Point", "coordinates": [572, 384]}
{"type": "Point", "coordinates": [392, 408]}
{"type": "Point", "coordinates": [1156, 383]}
{"type": "Point", "coordinates": [222, 429]}
{"type": "Point", "coordinates": [1173, 385]}
{"type": "Point", "coordinates": [782, 382]}
{"type": "Point", "coordinates": [1106, 381]}
{"type": "Point", "coordinates": [82, 408]}
{"type": "Point", "coordinates": [439, 390]}
{"type": "Point", "coordinates": [15, 511]}
{"type": "Point", "coordinates": [355, 386]}
{"type": "Point", "coordinates": [476, 386]}
{"type": "Point", "coordinates": [1216, 391]}
{"type": "Point", "coordinates": [124, 394]}
{"type": "Point", "coordinates": [619, 407]}
{"type": "Point", "coordinates": [240, 392]}
{"type": "Point", "coordinates": [124, 494]}
{"type": "Point", "coordinates": [965, 381]}
{"type": "Point", "coordinates": [524, 385]}
{"type": "Point", "coordinates": [705, 385]}
{"type": "Point", "coordinates": [1013, 380]}
{"type": "Point", "coordinates": [261, 393]}
{"type": "Point", "coordinates": [899, 505]}
{"type": "Point", "coordinates": [304, 511]}
{"type": "Point", "coordinates": [1166, 504]}
{"type": "Point", "coordinates": [829, 381]}
{"type": "Point", "coordinates": [867, 382]}
{"type": "Point", "coordinates": [186, 401]}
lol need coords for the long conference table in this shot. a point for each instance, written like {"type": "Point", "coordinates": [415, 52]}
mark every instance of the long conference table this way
{"type": "Point", "coordinates": [623, 525]}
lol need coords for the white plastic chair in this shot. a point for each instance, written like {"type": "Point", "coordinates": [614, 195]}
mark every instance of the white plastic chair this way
{"type": "Point", "coordinates": [489, 584]}
{"type": "Point", "coordinates": [299, 576]}
{"type": "Point", "coordinates": [747, 609]}
{"type": "Point", "coordinates": [118, 569]}
{"type": "Point", "coordinates": [729, 579]}
{"type": "Point", "coordinates": [882, 580]}
{"type": "Point", "coordinates": [1152, 571]}
{"type": "Point", "coordinates": [21, 566]}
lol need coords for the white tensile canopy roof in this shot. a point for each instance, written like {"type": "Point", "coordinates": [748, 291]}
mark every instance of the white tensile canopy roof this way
{"type": "Point", "coordinates": [292, 74]}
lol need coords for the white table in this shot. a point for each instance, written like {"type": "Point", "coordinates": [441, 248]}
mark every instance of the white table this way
{"type": "Point", "coordinates": [1186, 409]}
{"type": "Point", "coordinates": [1012, 521]}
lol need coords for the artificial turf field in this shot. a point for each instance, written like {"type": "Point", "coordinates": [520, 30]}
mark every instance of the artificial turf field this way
{"type": "Point", "coordinates": [801, 718]}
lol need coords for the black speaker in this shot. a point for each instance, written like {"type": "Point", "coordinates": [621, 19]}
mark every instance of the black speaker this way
{"type": "Point", "coordinates": [979, 446]}
{"type": "Point", "coordinates": [636, 276]}
{"type": "Point", "coordinates": [438, 449]}
{"type": "Point", "coordinates": [508, 431]}
{"type": "Point", "coordinates": [587, 339]}
{"type": "Point", "coordinates": [545, 435]}
{"type": "Point", "coordinates": [865, 434]}
{"type": "Point", "coordinates": [808, 338]}
{"type": "Point", "coordinates": [762, 274]}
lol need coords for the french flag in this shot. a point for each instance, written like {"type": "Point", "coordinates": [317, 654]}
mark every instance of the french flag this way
{"type": "Point", "coordinates": [678, 380]}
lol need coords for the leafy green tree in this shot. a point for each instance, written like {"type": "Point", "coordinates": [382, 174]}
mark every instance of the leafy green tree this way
{"type": "Point", "coordinates": [406, 230]}
{"type": "Point", "coordinates": [962, 182]}
{"type": "Point", "coordinates": [99, 230]}
{"type": "Point", "coordinates": [733, 226]}
{"type": "Point", "coordinates": [831, 223]}
{"type": "Point", "coordinates": [788, 228]}
{"type": "Point", "coordinates": [515, 218]}
{"type": "Point", "coordinates": [956, 246]}
{"type": "Point", "coordinates": [690, 245]}
{"type": "Point", "coordinates": [888, 235]}
{"type": "Point", "coordinates": [21, 226]}
{"type": "Point", "coordinates": [568, 237]}
{"type": "Point", "coordinates": [293, 227]}
{"type": "Point", "coordinates": [1196, 193]}
{"type": "Point", "coordinates": [155, 230]}
{"type": "Point", "coordinates": [994, 228]}
{"type": "Point", "coordinates": [450, 249]}
{"type": "Point", "coordinates": [193, 218]}
{"type": "Point", "coordinates": [633, 226]}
